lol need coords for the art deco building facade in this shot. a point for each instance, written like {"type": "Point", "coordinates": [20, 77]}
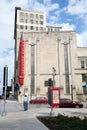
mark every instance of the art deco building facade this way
{"type": "Point", "coordinates": [42, 50]}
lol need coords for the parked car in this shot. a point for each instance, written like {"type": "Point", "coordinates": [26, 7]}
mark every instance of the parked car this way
{"type": "Point", "coordinates": [68, 103]}
{"type": "Point", "coordinates": [1, 97]}
{"type": "Point", "coordinates": [39, 100]}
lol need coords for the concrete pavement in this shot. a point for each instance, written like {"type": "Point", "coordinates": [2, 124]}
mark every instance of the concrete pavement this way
{"type": "Point", "coordinates": [18, 119]}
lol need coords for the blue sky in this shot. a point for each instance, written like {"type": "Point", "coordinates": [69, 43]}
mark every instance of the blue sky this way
{"type": "Point", "coordinates": [69, 14]}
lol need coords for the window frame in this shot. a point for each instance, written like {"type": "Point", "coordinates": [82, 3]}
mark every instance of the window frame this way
{"type": "Point", "coordinates": [36, 28]}
{"type": "Point", "coordinates": [31, 27]}
{"type": "Point", "coordinates": [21, 14]}
{"type": "Point", "coordinates": [26, 27]}
{"type": "Point", "coordinates": [41, 16]}
{"type": "Point", "coordinates": [36, 16]}
{"type": "Point", "coordinates": [41, 22]}
{"type": "Point", "coordinates": [21, 20]}
{"type": "Point", "coordinates": [82, 64]}
{"type": "Point", "coordinates": [22, 27]}
{"type": "Point", "coordinates": [31, 21]}
{"type": "Point", "coordinates": [31, 15]}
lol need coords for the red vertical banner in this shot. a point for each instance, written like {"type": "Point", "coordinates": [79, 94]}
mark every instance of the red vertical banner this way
{"type": "Point", "coordinates": [21, 62]}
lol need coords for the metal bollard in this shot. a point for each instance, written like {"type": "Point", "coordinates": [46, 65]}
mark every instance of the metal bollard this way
{"type": "Point", "coordinates": [51, 112]}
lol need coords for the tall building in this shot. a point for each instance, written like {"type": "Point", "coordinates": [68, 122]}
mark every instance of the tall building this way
{"type": "Point", "coordinates": [43, 52]}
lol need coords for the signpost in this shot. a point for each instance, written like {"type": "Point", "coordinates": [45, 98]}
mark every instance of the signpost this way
{"type": "Point", "coordinates": [53, 98]}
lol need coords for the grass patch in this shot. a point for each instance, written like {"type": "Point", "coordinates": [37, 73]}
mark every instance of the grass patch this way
{"type": "Point", "coordinates": [61, 122]}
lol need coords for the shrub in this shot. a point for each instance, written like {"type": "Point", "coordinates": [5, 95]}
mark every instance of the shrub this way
{"type": "Point", "coordinates": [62, 122]}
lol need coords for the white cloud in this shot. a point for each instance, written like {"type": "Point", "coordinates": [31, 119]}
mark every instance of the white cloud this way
{"type": "Point", "coordinates": [47, 1]}
{"type": "Point", "coordinates": [77, 7]}
{"type": "Point", "coordinates": [9, 61]}
{"type": "Point", "coordinates": [84, 17]}
{"type": "Point", "coordinates": [82, 39]}
{"type": "Point", "coordinates": [53, 20]}
{"type": "Point", "coordinates": [67, 26]}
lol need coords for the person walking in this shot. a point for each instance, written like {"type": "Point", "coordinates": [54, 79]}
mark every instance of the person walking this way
{"type": "Point", "coordinates": [25, 102]}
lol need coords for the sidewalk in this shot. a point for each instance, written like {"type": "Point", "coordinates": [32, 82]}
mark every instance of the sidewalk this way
{"type": "Point", "coordinates": [18, 119]}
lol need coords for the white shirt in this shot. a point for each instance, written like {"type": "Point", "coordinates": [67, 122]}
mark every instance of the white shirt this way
{"type": "Point", "coordinates": [25, 99]}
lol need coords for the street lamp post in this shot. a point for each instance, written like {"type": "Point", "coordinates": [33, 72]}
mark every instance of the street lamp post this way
{"type": "Point", "coordinates": [53, 73]}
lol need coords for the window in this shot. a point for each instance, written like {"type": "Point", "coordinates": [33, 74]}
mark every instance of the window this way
{"type": "Point", "coordinates": [21, 33]}
{"type": "Point", "coordinates": [82, 64]}
{"type": "Point", "coordinates": [68, 100]}
{"type": "Point", "coordinates": [36, 22]}
{"type": "Point", "coordinates": [26, 15]}
{"type": "Point", "coordinates": [41, 29]}
{"type": "Point", "coordinates": [36, 28]}
{"type": "Point", "coordinates": [84, 90]}
{"type": "Point", "coordinates": [26, 27]}
{"type": "Point", "coordinates": [21, 20]}
{"type": "Point", "coordinates": [31, 15]}
{"type": "Point", "coordinates": [66, 65]}
{"type": "Point", "coordinates": [21, 27]}
{"type": "Point", "coordinates": [36, 15]}
{"type": "Point", "coordinates": [26, 21]}
{"type": "Point", "coordinates": [31, 21]}
{"type": "Point", "coordinates": [51, 29]}
{"type": "Point", "coordinates": [31, 28]}
{"type": "Point", "coordinates": [41, 22]}
{"type": "Point", "coordinates": [32, 69]}
{"type": "Point", "coordinates": [86, 63]}
{"type": "Point", "coordinates": [48, 29]}
{"type": "Point", "coordinates": [41, 16]}
{"type": "Point", "coordinates": [22, 14]}
{"type": "Point", "coordinates": [84, 77]}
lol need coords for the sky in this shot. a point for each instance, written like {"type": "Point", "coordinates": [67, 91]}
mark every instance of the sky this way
{"type": "Point", "coordinates": [69, 14]}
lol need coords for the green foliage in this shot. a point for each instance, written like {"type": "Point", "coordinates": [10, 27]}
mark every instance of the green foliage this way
{"type": "Point", "coordinates": [62, 122]}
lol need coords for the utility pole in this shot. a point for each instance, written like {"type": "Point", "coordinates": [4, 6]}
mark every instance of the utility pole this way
{"type": "Point", "coordinates": [5, 84]}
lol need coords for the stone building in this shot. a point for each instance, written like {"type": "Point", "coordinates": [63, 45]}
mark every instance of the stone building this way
{"type": "Point", "coordinates": [43, 52]}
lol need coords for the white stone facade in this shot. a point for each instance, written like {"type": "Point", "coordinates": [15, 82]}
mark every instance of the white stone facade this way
{"type": "Point", "coordinates": [45, 50]}
{"type": "Point", "coordinates": [48, 53]}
